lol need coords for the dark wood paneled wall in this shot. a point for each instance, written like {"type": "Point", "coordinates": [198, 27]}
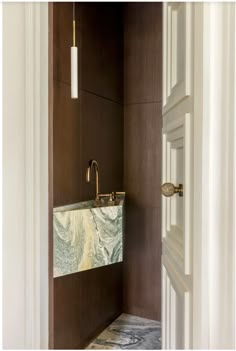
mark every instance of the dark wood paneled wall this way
{"type": "Point", "coordinates": [90, 127]}
{"type": "Point", "coordinates": [142, 158]}
{"type": "Point", "coordinates": [102, 94]}
{"type": "Point", "coordinates": [67, 170]}
{"type": "Point", "coordinates": [85, 303]}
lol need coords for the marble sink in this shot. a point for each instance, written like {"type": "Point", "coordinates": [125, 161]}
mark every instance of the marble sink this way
{"type": "Point", "coordinates": [87, 236]}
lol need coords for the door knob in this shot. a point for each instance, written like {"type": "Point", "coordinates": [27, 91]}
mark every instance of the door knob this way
{"type": "Point", "coordinates": [168, 189]}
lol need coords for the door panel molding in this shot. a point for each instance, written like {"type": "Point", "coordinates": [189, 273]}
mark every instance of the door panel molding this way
{"type": "Point", "coordinates": [177, 168]}
{"type": "Point", "coordinates": [177, 43]}
{"type": "Point", "coordinates": [178, 135]}
{"type": "Point", "coordinates": [175, 290]}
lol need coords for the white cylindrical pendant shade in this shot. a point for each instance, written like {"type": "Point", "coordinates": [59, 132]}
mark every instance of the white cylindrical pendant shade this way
{"type": "Point", "coordinates": [74, 72]}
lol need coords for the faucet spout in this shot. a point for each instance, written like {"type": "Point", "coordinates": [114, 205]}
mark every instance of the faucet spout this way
{"type": "Point", "coordinates": [94, 164]}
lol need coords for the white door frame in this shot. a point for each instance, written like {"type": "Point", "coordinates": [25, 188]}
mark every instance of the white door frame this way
{"type": "Point", "coordinates": [214, 176]}
{"type": "Point", "coordinates": [25, 175]}
{"type": "Point", "coordinates": [214, 171]}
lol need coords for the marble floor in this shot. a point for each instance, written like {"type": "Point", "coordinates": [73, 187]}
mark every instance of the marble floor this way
{"type": "Point", "coordinates": [128, 332]}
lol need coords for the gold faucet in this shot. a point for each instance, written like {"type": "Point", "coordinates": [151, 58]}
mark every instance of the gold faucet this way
{"type": "Point", "coordinates": [93, 163]}
{"type": "Point", "coordinates": [112, 196]}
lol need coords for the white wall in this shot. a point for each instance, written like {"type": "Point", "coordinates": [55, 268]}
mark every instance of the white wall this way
{"type": "Point", "coordinates": [13, 177]}
{"type": "Point", "coordinates": [25, 175]}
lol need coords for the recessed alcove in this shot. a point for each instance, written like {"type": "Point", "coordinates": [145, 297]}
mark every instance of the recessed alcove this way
{"type": "Point", "coordinates": [117, 121]}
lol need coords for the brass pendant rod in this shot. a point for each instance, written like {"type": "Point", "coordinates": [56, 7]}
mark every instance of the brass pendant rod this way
{"type": "Point", "coordinates": [73, 24]}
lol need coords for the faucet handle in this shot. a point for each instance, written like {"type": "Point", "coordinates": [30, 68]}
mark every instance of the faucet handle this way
{"type": "Point", "coordinates": [115, 193]}
{"type": "Point", "coordinates": [105, 195]}
{"type": "Point", "coordinates": [109, 196]}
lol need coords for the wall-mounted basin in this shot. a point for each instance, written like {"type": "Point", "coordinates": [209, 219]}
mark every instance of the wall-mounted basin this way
{"type": "Point", "coordinates": [87, 236]}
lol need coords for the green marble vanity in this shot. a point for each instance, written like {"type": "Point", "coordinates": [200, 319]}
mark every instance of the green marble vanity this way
{"type": "Point", "coordinates": [87, 235]}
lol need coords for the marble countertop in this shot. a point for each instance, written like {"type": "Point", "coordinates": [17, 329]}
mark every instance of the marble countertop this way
{"type": "Point", "coordinates": [89, 204]}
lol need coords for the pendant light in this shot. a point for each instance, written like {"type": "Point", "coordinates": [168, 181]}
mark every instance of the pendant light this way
{"type": "Point", "coordinates": [74, 63]}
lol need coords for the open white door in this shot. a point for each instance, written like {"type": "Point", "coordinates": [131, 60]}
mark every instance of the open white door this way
{"type": "Point", "coordinates": [199, 152]}
{"type": "Point", "coordinates": [177, 132]}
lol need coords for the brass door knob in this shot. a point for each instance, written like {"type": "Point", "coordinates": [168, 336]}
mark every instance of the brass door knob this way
{"type": "Point", "coordinates": [168, 189]}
